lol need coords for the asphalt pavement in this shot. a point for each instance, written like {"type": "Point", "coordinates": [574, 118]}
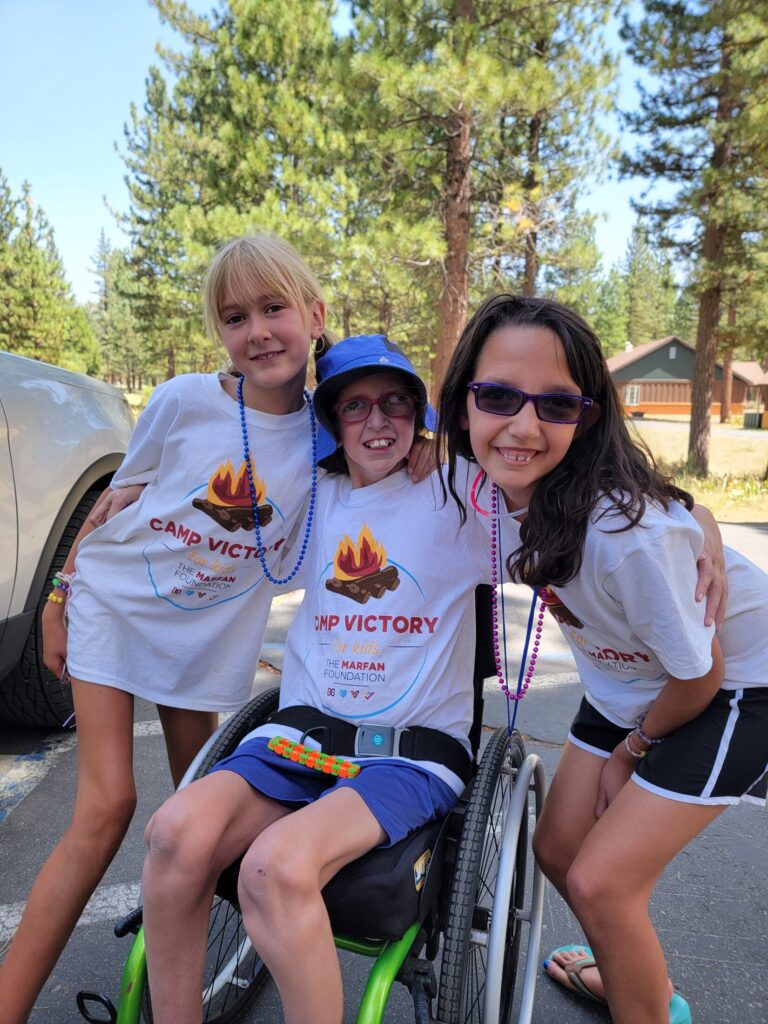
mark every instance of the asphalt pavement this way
{"type": "Point", "coordinates": [710, 907]}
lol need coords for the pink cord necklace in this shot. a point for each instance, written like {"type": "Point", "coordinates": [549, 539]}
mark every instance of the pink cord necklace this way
{"type": "Point", "coordinates": [526, 673]}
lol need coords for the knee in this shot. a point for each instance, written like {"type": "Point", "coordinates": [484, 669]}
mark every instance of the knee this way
{"type": "Point", "coordinates": [106, 816]}
{"type": "Point", "coordinates": [591, 894]}
{"type": "Point", "coordinates": [272, 877]}
{"type": "Point", "coordinates": [551, 854]}
{"type": "Point", "coordinates": [176, 843]}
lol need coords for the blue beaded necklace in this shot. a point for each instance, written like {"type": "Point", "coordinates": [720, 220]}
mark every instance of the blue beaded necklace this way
{"type": "Point", "coordinates": [254, 504]}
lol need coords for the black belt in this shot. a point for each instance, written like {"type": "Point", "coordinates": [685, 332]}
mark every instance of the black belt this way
{"type": "Point", "coordinates": [343, 738]}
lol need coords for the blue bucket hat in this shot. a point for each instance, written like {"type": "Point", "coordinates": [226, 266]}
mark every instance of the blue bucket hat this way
{"type": "Point", "coordinates": [358, 357]}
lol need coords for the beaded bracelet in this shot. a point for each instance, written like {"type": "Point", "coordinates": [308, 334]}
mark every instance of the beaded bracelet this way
{"type": "Point", "coordinates": [328, 764]}
{"type": "Point", "coordinates": [642, 736]}
{"type": "Point", "coordinates": [637, 756]}
{"type": "Point", "coordinates": [63, 581]}
{"type": "Point", "coordinates": [55, 598]}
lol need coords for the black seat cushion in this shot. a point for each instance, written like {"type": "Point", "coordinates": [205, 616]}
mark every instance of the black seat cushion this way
{"type": "Point", "coordinates": [380, 895]}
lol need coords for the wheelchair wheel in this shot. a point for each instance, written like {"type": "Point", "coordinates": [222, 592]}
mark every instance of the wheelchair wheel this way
{"type": "Point", "coordinates": [465, 949]}
{"type": "Point", "coordinates": [234, 971]}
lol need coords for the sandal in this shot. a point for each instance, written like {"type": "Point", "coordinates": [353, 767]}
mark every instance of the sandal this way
{"type": "Point", "coordinates": [679, 1011]}
{"type": "Point", "coordinates": [573, 971]}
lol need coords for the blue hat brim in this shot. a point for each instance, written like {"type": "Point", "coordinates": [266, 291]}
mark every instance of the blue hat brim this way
{"type": "Point", "coordinates": [357, 357]}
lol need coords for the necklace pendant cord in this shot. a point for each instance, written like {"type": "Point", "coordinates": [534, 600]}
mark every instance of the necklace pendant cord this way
{"type": "Point", "coordinates": [526, 673]}
{"type": "Point", "coordinates": [252, 489]}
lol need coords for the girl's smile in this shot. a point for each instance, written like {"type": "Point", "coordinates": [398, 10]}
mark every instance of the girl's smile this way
{"type": "Point", "coordinates": [517, 451]}
{"type": "Point", "coordinates": [268, 341]}
{"type": "Point", "coordinates": [378, 445]}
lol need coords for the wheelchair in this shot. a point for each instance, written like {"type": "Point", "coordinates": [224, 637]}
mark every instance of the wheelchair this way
{"type": "Point", "coordinates": [458, 889]}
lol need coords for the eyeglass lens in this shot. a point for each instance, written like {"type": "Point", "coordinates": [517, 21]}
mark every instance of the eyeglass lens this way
{"type": "Point", "coordinates": [506, 401]}
{"type": "Point", "coordinates": [395, 404]}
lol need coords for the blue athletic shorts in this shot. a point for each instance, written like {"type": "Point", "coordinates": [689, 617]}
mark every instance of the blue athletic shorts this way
{"type": "Point", "coordinates": [719, 757]}
{"type": "Point", "coordinates": [401, 796]}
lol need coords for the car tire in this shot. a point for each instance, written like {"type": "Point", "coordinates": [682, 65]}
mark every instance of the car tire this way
{"type": "Point", "coordinates": [30, 694]}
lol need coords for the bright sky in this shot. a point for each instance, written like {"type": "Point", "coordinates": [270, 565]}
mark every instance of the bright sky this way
{"type": "Point", "coordinates": [68, 74]}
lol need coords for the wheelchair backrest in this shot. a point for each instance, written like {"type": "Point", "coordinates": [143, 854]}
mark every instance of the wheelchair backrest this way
{"type": "Point", "coordinates": [485, 662]}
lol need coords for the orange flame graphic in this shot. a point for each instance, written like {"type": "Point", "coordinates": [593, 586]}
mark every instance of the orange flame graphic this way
{"type": "Point", "coordinates": [231, 489]}
{"type": "Point", "coordinates": [355, 560]}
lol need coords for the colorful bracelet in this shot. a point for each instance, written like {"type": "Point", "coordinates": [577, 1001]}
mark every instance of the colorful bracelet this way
{"type": "Point", "coordinates": [642, 736]}
{"type": "Point", "coordinates": [637, 756]}
{"type": "Point", "coordinates": [328, 764]}
{"type": "Point", "coordinates": [62, 581]}
{"type": "Point", "coordinates": [55, 598]}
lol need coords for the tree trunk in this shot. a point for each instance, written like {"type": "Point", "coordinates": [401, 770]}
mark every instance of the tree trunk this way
{"type": "Point", "coordinates": [454, 298]}
{"type": "Point", "coordinates": [531, 180]}
{"type": "Point", "coordinates": [347, 317]}
{"type": "Point", "coordinates": [703, 375]}
{"type": "Point", "coordinates": [171, 363]}
{"type": "Point", "coordinates": [456, 225]}
{"type": "Point", "coordinates": [709, 302]}
{"type": "Point", "coordinates": [727, 392]}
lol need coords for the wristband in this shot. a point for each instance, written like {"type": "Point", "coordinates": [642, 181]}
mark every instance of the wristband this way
{"type": "Point", "coordinates": [55, 598]}
{"type": "Point", "coordinates": [642, 736]}
{"type": "Point", "coordinates": [637, 755]}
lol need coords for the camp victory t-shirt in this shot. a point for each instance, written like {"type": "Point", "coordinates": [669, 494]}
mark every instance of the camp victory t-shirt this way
{"type": "Point", "coordinates": [170, 600]}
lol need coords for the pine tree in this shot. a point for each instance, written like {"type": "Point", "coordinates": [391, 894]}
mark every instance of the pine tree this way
{"type": "Point", "coordinates": [611, 315]}
{"type": "Point", "coordinates": [704, 128]}
{"type": "Point", "coordinates": [650, 290]}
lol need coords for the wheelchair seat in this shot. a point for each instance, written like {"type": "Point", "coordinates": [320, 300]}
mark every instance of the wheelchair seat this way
{"type": "Point", "coordinates": [378, 896]}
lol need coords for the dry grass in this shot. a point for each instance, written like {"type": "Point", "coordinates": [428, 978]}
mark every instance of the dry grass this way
{"type": "Point", "coordinates": [735, 490]}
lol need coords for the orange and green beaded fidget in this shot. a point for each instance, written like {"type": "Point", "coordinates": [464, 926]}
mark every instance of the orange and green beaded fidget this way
{"type": "Point", "coordinates": [328, 764]}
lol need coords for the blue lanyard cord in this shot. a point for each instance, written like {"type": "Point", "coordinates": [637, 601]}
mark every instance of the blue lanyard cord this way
{"type": "Point", "coordinates": [524, 659]}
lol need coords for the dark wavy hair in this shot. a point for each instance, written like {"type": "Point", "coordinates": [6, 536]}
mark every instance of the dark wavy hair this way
{"type": "Point", "coordinates": [602, 458]}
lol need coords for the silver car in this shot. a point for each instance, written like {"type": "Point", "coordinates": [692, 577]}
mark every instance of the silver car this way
{"type": "Point", "coordinates": [62, 436]}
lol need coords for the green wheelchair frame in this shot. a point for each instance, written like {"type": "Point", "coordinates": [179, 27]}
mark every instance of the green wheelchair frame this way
{"type": "Point", "coordinates": [476, 909]}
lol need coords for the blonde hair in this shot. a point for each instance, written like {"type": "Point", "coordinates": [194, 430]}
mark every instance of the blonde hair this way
{"type": "Point", "coordinates": [260, 263]}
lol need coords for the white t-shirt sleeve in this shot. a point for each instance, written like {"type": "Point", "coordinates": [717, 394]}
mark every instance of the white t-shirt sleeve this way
{"type": "Point", "coordinates": [145, 448]}
{"type": "Point", "coordinates": [654, 585]}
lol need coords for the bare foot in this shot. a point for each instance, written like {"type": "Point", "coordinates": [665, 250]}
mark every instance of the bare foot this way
{"type": "Point", "coordinates": [589, 975]}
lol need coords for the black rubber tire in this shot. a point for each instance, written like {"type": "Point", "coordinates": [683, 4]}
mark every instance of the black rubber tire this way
{"type": "Point", "coordinates": [30, 694]}
{"type": "Point", "coordinates": [226, 934]}
{"type": "Point", "coordinates": [462, 974]}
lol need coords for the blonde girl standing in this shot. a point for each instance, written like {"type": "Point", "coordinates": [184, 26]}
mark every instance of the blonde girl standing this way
{"type": "Point", "coordinates": [171, 596]}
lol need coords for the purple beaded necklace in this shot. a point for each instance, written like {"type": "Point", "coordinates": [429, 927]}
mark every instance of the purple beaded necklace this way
{"type": "Point", "coordinates": [254, 503]}
{"type": "Point", "coordinates": [526, 674]}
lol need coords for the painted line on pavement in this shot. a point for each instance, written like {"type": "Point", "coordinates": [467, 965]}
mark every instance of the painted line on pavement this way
{"type": "Point", "coordinates": [25, 771]}
{"type": "Point", "coordinates": [108, 903]}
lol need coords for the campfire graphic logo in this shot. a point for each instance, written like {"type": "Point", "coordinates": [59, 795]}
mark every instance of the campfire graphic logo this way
{"type": "Point", "coordinates": [558, 609]}
{"type": "Point", "coordinates": [360, 570]}
{"type": "Point", "coordinates": [228, 501]}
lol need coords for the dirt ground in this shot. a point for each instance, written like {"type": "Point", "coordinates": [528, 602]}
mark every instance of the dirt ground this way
{"type": "Point", "coordinates": [735, 491]}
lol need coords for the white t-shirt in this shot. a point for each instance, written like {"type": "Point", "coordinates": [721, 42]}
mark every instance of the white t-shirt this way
{"type": "Point", "coordinates": [385, 634]}
{"type": "Point", "coordinates": [631, 619]}
{"type": "Point", "coordinates": [170, 601]}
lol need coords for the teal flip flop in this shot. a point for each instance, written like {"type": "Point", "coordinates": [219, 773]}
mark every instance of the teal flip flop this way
{"type": "Point", "coordinates": [573, 971]}
{"type": "Point", "coordinates": [679, 1011]}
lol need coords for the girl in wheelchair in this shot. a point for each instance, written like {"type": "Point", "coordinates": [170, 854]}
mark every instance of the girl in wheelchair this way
{"type": "Point", "coordinates": [674, 725]}
{"type": "Point", "coordinates": [371, 738]}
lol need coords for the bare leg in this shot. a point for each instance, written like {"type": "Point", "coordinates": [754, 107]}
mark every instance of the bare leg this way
{"type": "Point", "coordinates": [280, 882]}
{"type": "Point", "coordinates": [185, 732]}
{"type": "Point", "coordinates": [609, 886]}
{"type": "Point", "coordinates": [568, 814]}
{"type": "Point", "coordinates": [104, 805]}
{"type": "Point", "coordinates": [197, 833]}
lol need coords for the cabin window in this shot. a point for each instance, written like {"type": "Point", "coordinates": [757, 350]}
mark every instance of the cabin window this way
{"type": "Point", "coordinates": [632, 394]}
{"type": "Point", "coordinates": [673, 351]}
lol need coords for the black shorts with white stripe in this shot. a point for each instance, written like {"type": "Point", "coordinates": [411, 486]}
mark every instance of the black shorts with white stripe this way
{"type": "Point", "coordinates": [720, 757]}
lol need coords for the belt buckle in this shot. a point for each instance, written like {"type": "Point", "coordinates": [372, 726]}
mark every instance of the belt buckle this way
{"type": "Point", "coordinates": [377, 741]}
